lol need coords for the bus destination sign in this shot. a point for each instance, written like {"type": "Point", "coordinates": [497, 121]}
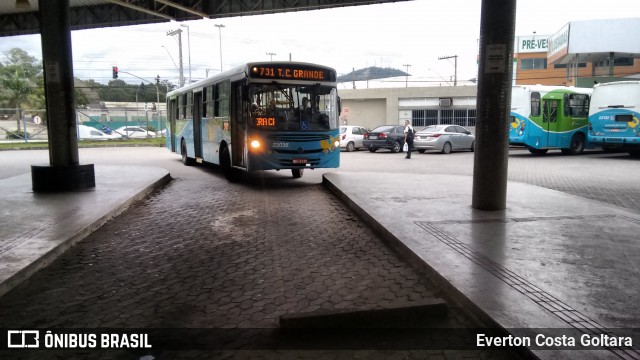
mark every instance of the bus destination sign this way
{"type": "Point", "coordinates": [265, 121]}
{"type": "Point", "coordinates": [292, 72]}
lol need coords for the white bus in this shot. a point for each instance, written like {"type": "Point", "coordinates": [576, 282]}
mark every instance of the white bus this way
{"type": "Point", "coordinates": [614, 116]}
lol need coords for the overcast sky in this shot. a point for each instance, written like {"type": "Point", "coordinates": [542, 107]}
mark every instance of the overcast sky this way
{"type": "Point", "coordinates": [416, 33]}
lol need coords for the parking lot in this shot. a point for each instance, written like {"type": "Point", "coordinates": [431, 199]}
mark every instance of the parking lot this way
{"type": "Point", "coordinates": [608, 177]}
{"type": "Point", "coordinates": [205, 253]}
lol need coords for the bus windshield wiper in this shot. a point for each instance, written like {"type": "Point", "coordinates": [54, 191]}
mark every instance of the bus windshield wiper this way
{"type": "Point", "coordinates": [284, 91]}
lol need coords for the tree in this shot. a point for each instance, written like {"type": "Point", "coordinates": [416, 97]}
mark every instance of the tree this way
{"type": "Point", "coordinates": [19, 75]}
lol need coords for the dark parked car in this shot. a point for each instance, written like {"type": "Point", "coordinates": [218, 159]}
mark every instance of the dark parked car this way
{"type": "Point", "coordinates": [385, 137]}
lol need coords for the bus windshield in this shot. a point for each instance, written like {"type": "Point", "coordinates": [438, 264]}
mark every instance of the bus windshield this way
{"type": "Point", "coordinates": [281, 107]}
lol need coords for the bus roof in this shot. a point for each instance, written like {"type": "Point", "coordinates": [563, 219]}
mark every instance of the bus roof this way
{"type": "Point", "coordinates": [243, 70]}
{"type": "Point", "coordinates": [617, 83]}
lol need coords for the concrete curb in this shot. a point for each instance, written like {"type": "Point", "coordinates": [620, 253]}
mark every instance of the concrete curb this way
{"type": "Point", "coordinates": [410, 315]}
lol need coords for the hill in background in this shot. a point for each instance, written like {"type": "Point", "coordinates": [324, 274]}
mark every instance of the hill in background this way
{"type": "Point", "coordinates": [371, 73]}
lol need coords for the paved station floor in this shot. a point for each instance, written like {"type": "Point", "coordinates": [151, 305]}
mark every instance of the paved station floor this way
{"type": "Point", "coordinates": [550, 260]}
{"type": "Point", "coordinates": [37, 227]}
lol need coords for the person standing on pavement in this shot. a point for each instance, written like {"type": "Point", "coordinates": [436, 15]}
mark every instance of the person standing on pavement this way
{"type": "Point", "coordinates": [408, 137]}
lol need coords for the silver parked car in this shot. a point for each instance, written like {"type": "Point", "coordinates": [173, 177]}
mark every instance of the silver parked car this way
{"type": "Point", "coordinates": [351, 137]}
{"type": "Point", "coordinates": [445, 138]}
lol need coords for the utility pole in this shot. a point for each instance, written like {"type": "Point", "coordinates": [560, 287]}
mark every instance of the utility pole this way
{"type": "Point", "coordinates": [455, 66]}
{"type": "Point", "coordinates": [179, 33]}
{"type": "Point", "coordinates": [406, 83]}
{"type": "Point", "coordinates": [271, 54]}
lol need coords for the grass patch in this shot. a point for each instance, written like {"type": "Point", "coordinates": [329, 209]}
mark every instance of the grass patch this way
{"type": "Point", "coordinates": [159, 142]}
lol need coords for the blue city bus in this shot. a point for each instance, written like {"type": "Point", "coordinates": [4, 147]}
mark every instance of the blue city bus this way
{"type": "Point", "coordinates": [614, 116]}
{"type": "Point", "coordinates": [258, 116]}
{"type": "Point", "coordinates": [549, 117]}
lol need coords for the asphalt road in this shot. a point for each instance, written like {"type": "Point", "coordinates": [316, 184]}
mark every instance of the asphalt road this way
{"type": "Point", "coordinates": [202, 253]}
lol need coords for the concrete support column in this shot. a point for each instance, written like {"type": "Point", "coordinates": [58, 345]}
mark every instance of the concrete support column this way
{"type": "Point", "coordinates": [497, 31]}
{"type": "Point", "coordinates": [65, 172]}
{"type": "Point", "coordinates": [611, 64]}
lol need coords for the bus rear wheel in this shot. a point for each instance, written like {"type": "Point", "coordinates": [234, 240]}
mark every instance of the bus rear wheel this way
{"type": "Point", "coordinates": [297, 173]}
{"type": "Point", "coordinates": [187, 161]}
{"type": "Point", "coordinates": [576, 147]}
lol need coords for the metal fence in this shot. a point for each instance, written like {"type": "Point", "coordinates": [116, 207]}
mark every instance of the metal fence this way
{"type": "Point", "coordinates": [30, 124]}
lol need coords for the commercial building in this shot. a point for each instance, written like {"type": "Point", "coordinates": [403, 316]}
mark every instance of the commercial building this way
{"type": "Point", "coordinates": [579, 54]}
{"type": "Point", "coordinates": [423, 106]}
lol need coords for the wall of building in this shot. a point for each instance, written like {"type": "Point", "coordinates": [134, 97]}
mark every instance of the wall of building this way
{"type": "Point", "coordinates": [390, 106]}
{"type": "Point", "coordinates": [368, 113]}
{"type": "Point", "coordinates": [552, 75]}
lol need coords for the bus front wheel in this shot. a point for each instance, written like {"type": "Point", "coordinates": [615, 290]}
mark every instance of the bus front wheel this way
{"type": "Point", "coordinates": [225, 162]}
{"type": "Point", "coordinates": [297, 173]}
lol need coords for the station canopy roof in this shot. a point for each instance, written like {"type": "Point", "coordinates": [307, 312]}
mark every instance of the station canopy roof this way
{"type": "Point", "coordinates": [20, 17]}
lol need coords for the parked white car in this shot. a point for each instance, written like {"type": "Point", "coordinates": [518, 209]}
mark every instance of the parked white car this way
{"type": "Point", "coordinates": [91, 133]}
{"type": "Point", "coordinates": [133, 132]}
{"type": "Point", "coordinates": [351, 137]}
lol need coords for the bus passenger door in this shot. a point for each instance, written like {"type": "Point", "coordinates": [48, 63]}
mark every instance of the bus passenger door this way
{"type": "Point", "coordinates": [238, 126]}
{"type": "Point", "coordinates": [550, 121]}
{"type": "Point", "coordinates": [172, 114]}
{"type": "Point", "coordinates": [197, 124]}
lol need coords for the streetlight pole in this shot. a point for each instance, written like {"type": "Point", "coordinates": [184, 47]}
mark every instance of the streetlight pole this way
{"type": "Point", "coordinates": [271, 54]}
{"type": "Point", "coordinates": [455, 67]}
{"type": "Point", "coordinates": [189, 45]}
{"type": "Point", "coordinates": [220, 26]}
{"type": "Point", "coordinates": [406, 83]}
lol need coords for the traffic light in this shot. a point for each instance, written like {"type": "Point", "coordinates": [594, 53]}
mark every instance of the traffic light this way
{"type": "Point", "coordinates": [115, 72]}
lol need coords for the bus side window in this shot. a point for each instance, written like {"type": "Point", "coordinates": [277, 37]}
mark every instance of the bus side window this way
{"type": "Point", "coordinates": [535, 104]}
{"type": "Point", "coordinates": [579, 105]}
{"type": "Point", "coordinates": [189, 109]}
{"type": "Point", "coordinates": [182, 104]}
{"type": "Point", "coordinates": [567, 105]}
{"type": "Point", "coordinates": [203, 111]}
{"type": "Point", "coordinates": [222, 95]}
{"type": "Point", "coordinates": [174, 112]}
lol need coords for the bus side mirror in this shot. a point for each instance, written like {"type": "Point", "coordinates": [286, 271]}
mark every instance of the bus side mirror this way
{"type": "Point", "coordinates": [339, 106]}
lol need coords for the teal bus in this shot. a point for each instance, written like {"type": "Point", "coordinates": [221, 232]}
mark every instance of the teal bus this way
{"type": "Point", "coordinates": [549, 117]}
{"type": "Point", "coordinates": [614, 116]}
{"type": "Point", "coordinates": [258, 116]}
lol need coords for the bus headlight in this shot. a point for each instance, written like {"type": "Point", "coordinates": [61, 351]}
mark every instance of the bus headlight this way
{"type": "Point", "coordinates": [336, 144]}
{"type": "Point", "coordinates": [255, 144]}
